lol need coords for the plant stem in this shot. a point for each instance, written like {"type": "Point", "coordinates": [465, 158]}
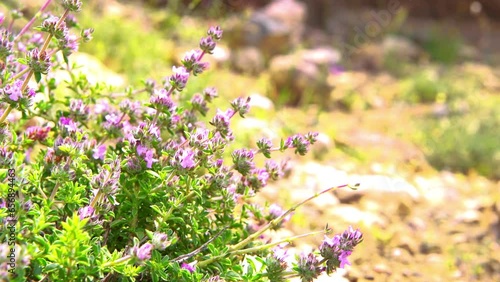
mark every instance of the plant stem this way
{"type": "Point", "coordinates": [36, 16]}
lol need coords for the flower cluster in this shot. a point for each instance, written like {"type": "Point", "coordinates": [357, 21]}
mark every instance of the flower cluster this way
{"type": "Point", "coordinates": [134, 189]}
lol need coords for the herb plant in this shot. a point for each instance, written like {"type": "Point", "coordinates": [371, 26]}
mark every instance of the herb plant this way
{"type": "Point", "coordinates": [101, 188]}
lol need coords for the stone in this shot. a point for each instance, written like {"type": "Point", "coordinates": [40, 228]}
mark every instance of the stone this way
{"type": "Point", "coordinates": [248, 60]}
{"type": "Point", "coordinates": [400, 47]}
{"type": "Point", "coordinates": [303, 76]}
{"type": "Point", "coordinates": [274, 29]}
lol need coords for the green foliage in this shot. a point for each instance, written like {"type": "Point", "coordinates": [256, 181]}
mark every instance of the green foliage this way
{"type": "Point", "coordinates": [135, 53]}
{"type": "Point", "coordinates": [464, 142]}
{"type": "Point", "coordinates": [443, 46]}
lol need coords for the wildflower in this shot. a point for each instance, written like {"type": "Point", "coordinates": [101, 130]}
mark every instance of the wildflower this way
{"type": "Point", "coordinates": [215, 32]}
{"type": "Point", "coordinates": [209, 94]}
{"type": "Point", "coordinates": [71, 21]}
{"type": "Point", "coordinates": [133, 165]}
{"type": "Point", "coordinates": [192, 62]}
{"type": "Point", "coordinates": [241, 106]}
{"type": "Point", "coordinates": [221, 121]}
{"type": "Point", "coordinates": [147, 154]}
{"type": "Point", "coordinates": [273, 169]}
{"type": "Point", "coordinates": [14, 91]}
{"type": "Point", "coordinates": [308, 268]}
{"type": "Point", "coordinates": [99, 152]}
{"type": "Point", "coordinates": [38, 61]}
{"type": "Point", "coordinates": [87, 34]}
{"type": "Point", "coordinates": [160, 241]}
{"type": "Point", "coordinates": [276, 264]}
{"type": "Point", "coordinates": [72, 5]}
{"type": "Point", "coordinates": [143, 252]}
{"type": "Point", "coordinates": [207, 44]}
{"type": "Point", "coordinates": [68, 125]}
{"type": "Point", "coordinates": [336, 250]}
{"type": "Point", "coordinates": [183, 158]}
{"type": "Point", "coordinates": [179, 79]}
{"type": "Point", "coordinates": [79, 109]}
{"type": "Point", "coordinates": [257, 178]}
{"type": "Point", "coordinates": [243, 160]}
{"type": "Point", "coordinates": [199, 138]}
{"type": "Point", "coordinates": [6, 44]}
{"type": "Point", "coordinates": [37, 133]}
{"type": "Point", "coordinates": [199, 104]}
{"type": "Point", "coordinates": [51, 26]}
{"type": "Point", "coordinates": [299, 142]}
{"type": "Point", "coordinates": [86, 212]}
{"type": "Point", "coordinates": [265, 145]}
{"type": "Point", "coordinates": [163, 98]}
{"type": "Point", "coordinates": [108, 179]}
{"type": "Point", "coordinates": [188, 266]}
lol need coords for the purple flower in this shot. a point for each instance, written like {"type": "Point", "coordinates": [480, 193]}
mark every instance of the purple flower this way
{"type": "Point", "coordinates": [199, 104]}
{"type": "Point", "coordinates": [72, 5]}
{"type": "Point", "coordinates": [85, 212]}
{"type": "Point", "coordinates": [241, 106]}
{"type": "Point", "coordinates": [243, 160]}
{"type": "Point", "coordinates": [207, 44]}
{"type": "Point", "coordinates": [143, 252]}
{"type": "Point", "coordinates": [188, 267]}
{"type": "Point", "coordinates": [180, 77]}
{"type": "Point", "coordinates": [343, 258]}
{"type": "Point", "coordinates": [307, 267]}
{"type": "Point", "coordinates": [102, 106]}
{"type": "Point", "coordinates": [79, 109]}
{"type": "Point", "coordinates": [68, 124]}
{"type": "Point", "coordinates": [99, 152]}
{"type": "Point", "coordinates": [108, 178]}
{"type": "Point", "coordinates": [184, 158]}
{"type": "Point", "coordinates": [37, 133]}
{"type": "Point", "coordinates": [221, 121]}
{"type": "Point", "coordinates": [274, 170]}
{"type": "Point", "coordinates": [2, 17]}
{"type": "Point", "coordinates": [160, 241]}
{"type": "Point", "coordinates": [209, 93]}
{"type": "Point", "coordinates": [215, 32]}
{"type": "Point", "coordinates": [191, 62]}
{"type": "Point", "coordinates": [257, 178]}
{"type": "Point", "coordinates": [13, 91]}
{"type": "Point", "coordinates": [299, 142]}
{"type": "Point", "coordinates": [199, 138]}
{"type": "Point", "coordinates": [147, 154]}
{"type": "Point", "coordinates": [38, 61]}
{"type": "Point", "coordinates": [87, 34]}
{"type": "Point", "coordinates": [336, 250]}
{"type": "Point", "coordinates": [162, 97]}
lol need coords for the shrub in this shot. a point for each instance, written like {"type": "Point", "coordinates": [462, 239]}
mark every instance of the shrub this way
{"type": "Point", "coordinates": [100, 188]}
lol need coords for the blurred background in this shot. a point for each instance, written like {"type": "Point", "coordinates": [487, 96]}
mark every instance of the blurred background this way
{"type": "Point", "coordinates": [405, 95]}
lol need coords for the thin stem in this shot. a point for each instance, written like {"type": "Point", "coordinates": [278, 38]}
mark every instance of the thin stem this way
{"type": "Point", "coordinates": [118, 261]}
{"type": "Point", "coordinates": [235, 248]}
{"type": "Point", "coordinates": [36, 16]}
{"type": "Point", "coordinates": [277, 220]}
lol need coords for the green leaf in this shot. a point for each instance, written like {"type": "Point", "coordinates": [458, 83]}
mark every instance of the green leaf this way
{"type": "Point", "coordinates": [38, 76]}
{"type": "Point", "coordinates": [153, 173]}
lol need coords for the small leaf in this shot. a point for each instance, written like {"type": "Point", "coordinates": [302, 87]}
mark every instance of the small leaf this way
{"type": "Point", "coordinates": [38, 76]}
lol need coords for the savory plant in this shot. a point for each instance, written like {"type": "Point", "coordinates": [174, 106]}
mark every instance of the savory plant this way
{"type": "Point", "coordinates": [100, 188]}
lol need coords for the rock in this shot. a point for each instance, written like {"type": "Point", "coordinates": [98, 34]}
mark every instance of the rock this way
{"type": "Point", "coordinates": [302, 76]}
{"type": "Point", "coordinates": [292, 14]}
{"type": "Point", "coordinates": [353, 215]}
{"type": "Point", "coordinates": [401, 48]}
{"type": "Point", "coordinates": [274, 29]}
{"type": "Point", "coordinates": [248, 60]}
{"type": "Point", "coordinates": [262, 102]}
